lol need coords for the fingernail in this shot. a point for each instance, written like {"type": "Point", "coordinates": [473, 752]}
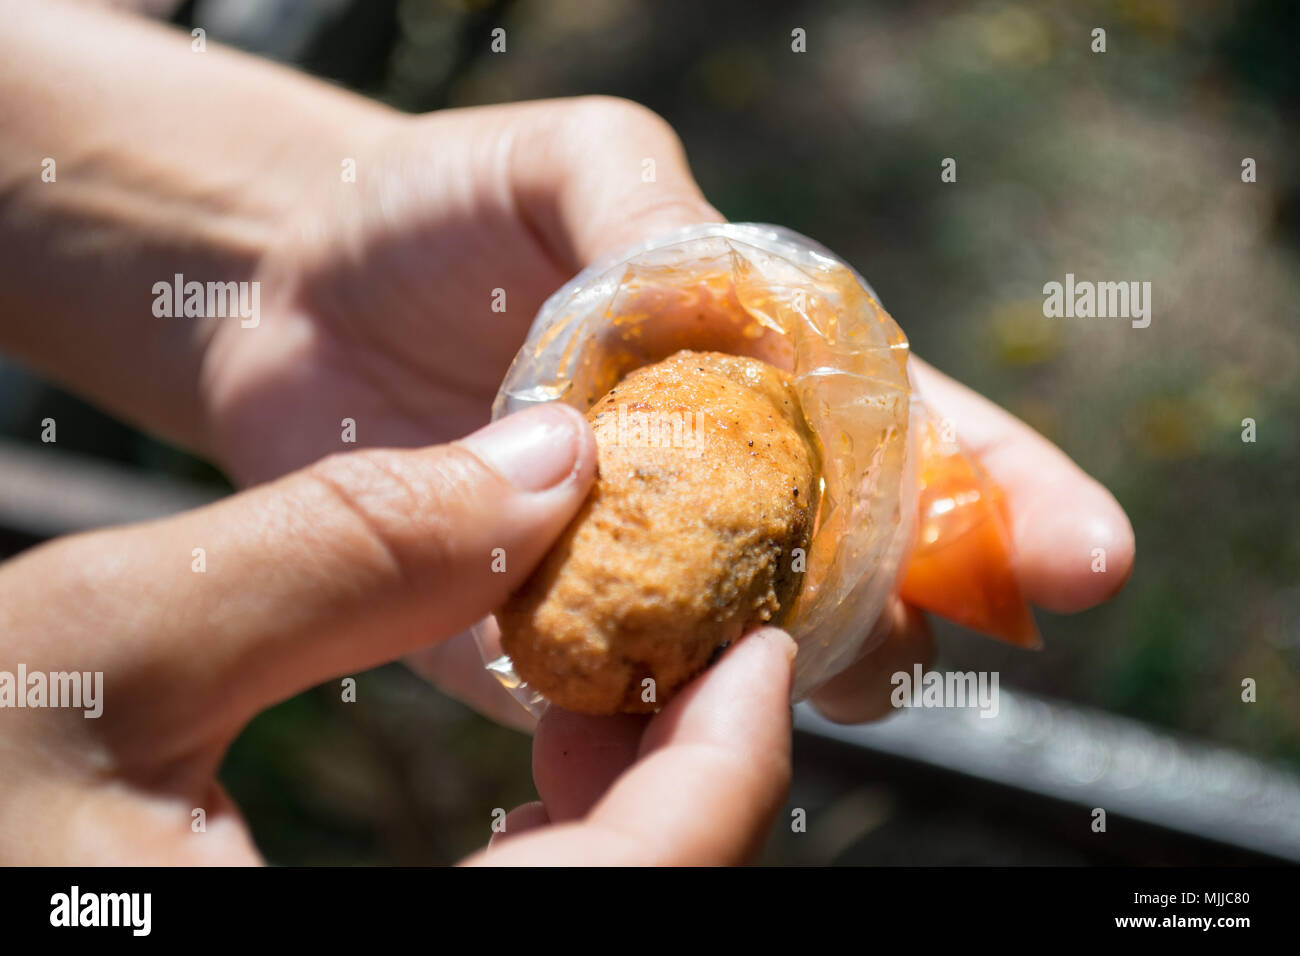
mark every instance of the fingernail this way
{"type": "Point", "coordinates": [534, 449]}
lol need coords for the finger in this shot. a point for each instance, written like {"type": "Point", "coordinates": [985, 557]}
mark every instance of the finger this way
{"type": "Point", "coordinates": [576, 758]}
{"type": "Point", "coordinates": [861, 692]}
{"type": "Point", "coordinates": [1059, 514]}
{"type": "Point", "coordinates": [331, 570]}
{"type": "Point", "coordinates": [600, 174]}
{"type": "Point", "coordinates": [713, 771]}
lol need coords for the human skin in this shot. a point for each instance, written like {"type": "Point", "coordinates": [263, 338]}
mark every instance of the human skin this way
{"type": "Point", "coordinates": [376, 306]}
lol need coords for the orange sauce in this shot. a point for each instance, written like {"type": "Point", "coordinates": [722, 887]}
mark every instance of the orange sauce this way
{"type": "Point", "coordinates": [963, 566]}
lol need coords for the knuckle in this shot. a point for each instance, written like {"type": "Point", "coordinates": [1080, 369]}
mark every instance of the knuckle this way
{"type": "Point", "coordinates": [618, 115]}
{"type": "Point", "coordinates": [410, 505]}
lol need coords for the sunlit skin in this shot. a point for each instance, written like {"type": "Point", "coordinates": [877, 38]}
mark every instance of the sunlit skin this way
{"type": "Point", "coordinates": [376, 300]}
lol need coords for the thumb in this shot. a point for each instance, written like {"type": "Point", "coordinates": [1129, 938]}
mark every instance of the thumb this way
{"type": "Point", "coordinates": [352, 562]}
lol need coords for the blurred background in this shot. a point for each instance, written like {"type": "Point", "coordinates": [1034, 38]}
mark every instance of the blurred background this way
{"type": "Point", "coordinates": [1122, 165]}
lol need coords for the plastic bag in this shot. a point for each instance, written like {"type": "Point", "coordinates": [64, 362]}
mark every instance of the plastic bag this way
{"type": "Point", "coordinates": [772, 294]}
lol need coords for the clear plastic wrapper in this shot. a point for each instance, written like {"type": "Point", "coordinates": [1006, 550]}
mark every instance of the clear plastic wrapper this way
{"type": "Point", "coordinates": [772, 294]}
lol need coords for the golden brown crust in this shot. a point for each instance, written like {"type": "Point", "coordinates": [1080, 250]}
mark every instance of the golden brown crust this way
{"type": "Point", "coordinates": [706, 484]}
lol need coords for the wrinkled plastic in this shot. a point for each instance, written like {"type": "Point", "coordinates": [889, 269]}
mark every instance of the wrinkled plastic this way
{"type": "Point", "coordinates": [962, 565]}
{"type": "Point", "coordinates": [769, 293]}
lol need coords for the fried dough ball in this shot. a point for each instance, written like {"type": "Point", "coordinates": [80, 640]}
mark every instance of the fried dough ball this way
{"type": "Point", "coordinates": [707, 482]}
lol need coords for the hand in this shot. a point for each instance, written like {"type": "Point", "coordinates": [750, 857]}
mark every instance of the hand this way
{"type": "Point", "coordinates": [697, 784]}
{"type": "Point", "coordinates": [377, 301]}
{"type": "Point", "coordinates": [330, 571]}
{"type": "Point", "coordinates": [377, 295]}
{"type": "Point", "coordinates": [326, 572]}
{"type": "Point", "coordinates": [385, 317]}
